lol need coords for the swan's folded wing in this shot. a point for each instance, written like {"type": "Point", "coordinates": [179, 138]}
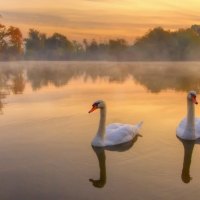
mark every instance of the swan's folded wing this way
{"type": "Point", "coordinates": [197, 127]}
{"type": "Point", "coordinates": [181, 127]}
{"type": "Point", "coordinates": [114, 126]}
{"type": "Point", "coordinates": [118, 135]}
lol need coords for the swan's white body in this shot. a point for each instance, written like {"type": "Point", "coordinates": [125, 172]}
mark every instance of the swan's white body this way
{"type": "Point", "coordinates": [189, 127]}
{"type": "Point", "coordinates": [189, 133]}
{"type": "Point", "coordinates": [115, 133]}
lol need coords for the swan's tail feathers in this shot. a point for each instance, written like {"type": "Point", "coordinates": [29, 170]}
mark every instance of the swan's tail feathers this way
{"type": "Point", "coordinates": [140, 124]}
{"type": "Point", "coordinates": [138, 127]}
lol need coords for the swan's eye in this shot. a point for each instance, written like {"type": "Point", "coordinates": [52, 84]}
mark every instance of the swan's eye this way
{"type": "Point", "coordinates": [193, 95]}
{"type": "Point", "coordinates": [96, 104]}
{"type": "Point", "coordinates": [193, 99]}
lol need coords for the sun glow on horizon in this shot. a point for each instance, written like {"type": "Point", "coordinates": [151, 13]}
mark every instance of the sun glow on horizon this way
{"type": "Point", "coordinates": [99, 19]}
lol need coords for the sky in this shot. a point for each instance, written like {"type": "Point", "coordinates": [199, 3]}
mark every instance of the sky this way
{"type": "Point", "coordinates": [99, 19]}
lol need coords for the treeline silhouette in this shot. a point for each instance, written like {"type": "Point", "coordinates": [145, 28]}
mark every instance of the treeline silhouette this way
{"type": "Point", "coordinates": [157, 44]}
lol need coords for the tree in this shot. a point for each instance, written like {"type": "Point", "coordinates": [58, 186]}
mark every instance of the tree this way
{"type": "Point", "coordinates": [155, 45]}
{"type": "Point", "coordinates": [11, 42]}
{"type": "Point", "coordinates": [117, 48]}
{"type": "Point", "coordinates": [15, 41]}
{"type": "Point", "coordinates": [59, 47]}
{"type": "Point", "coordinates": [35, 44]}
{"type": "Point", "coordinates": [196, 28]}
{"type": "Point", "coordinates": [78, 50]}
{"type": "Point", "coordinates": [18, 84]}
{"type": "Point", "coordinates": [3, 44]}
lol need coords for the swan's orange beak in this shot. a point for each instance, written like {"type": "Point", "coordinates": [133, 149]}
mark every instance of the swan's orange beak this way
{"type": "Point", "coordinates": [93, 109]}
{"type": "Point", "coordinates": [194, 100]}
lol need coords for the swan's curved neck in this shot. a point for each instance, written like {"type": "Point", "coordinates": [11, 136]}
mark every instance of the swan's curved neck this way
{"type": "Point", "coordinates": [190, 116]}
{"type": "Point", "coordinates": [102, 123]}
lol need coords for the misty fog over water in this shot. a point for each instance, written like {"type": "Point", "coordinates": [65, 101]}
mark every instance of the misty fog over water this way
{"type": "Point", "coordinates": [46, 131]}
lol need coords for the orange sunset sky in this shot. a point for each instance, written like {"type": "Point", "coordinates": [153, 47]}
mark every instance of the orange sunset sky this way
{"type": "Point", "coordinates": [99, 19]}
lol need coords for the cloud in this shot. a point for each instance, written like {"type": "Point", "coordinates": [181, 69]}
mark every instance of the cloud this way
{"type": "Point", "coordinates": [107, 1]}
{"type": "Point", "coordinates": [90, 20]}
{"type": "Point", "coordinates": [34, 18]}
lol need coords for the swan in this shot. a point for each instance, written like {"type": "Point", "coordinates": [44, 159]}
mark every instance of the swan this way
{"type": "Point", "coordinates": [189, 127]}
{"type": "Point", "coordinates": [115, 133]}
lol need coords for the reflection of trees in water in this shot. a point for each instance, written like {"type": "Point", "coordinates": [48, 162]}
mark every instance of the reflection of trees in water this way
{"type": "Point", "coordinates": [179, 77]}
{"type": "Point", "coordinates": [18, 83]}
{"type": "Point", "coordinates": [154, 76]}
{"type": "Point", "coordinates": [11, 79]}
{"type": "Point", "coordinates": [56, 75]}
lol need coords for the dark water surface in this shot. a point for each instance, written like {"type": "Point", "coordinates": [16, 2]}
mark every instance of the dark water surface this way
{"type": "Point", "coordinates": [46, 131]}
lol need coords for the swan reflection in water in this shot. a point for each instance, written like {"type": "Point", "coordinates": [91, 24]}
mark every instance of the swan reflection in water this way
{"type": "Point", "coordinates": [188, 146]}
{"type": "Point", "coordinates": [101, 156]}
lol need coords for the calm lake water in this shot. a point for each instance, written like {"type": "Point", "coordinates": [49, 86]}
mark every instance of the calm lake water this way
{"type": "Point", "coordinates": [46, 131]}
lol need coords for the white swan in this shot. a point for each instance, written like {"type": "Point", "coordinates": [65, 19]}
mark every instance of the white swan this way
{"type": "Point", "coordinates": [115, 133]}
{"type": "Point", "coordinates": [189, 127]}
